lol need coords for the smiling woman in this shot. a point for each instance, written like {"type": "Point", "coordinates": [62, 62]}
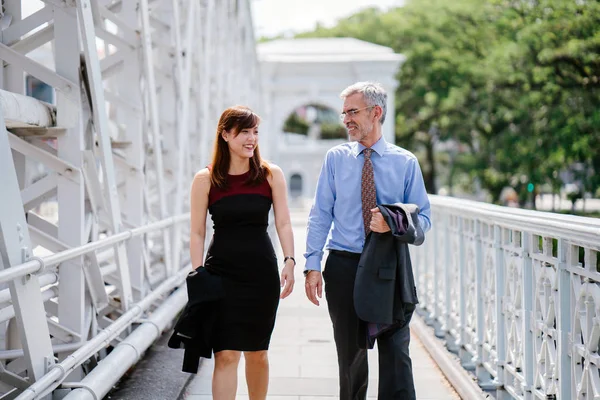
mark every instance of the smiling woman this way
{"type": "Point", "coordinates": [238, 190]}
{"type": "Point", "coordinates": [237, 138]}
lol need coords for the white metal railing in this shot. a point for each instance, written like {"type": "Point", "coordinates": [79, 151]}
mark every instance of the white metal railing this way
{"type": "Point", "coordinates": [58, 372]}
{"type": "Point", "coordinates": [40, 264]}
{"type": "Point", "coordinates": [515, 293]}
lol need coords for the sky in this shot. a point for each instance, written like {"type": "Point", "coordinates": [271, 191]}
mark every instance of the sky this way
{"type": "Point", "coordinates": [274, 17]}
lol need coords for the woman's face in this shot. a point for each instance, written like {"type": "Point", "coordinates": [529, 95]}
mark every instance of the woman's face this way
{"type": "Point", "coordinates": [244, 143]}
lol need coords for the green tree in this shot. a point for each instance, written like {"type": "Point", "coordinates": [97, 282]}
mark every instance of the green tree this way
{"type": "Point", "coordinates": [514, 84]}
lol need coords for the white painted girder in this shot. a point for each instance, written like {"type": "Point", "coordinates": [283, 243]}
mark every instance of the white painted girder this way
{"type": "Point", "coordinates": [132, 120]}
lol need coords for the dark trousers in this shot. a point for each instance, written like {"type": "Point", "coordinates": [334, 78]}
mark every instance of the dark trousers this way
{"type": "Point", "coordinates": [395, 366]}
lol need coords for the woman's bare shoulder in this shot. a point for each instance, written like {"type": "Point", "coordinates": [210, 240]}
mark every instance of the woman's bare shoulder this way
{"type": "Point", "coordinates": [275, 169]}
{"type": "Point", "coordinates": [202, 178]}
{"type": "Point", "coordinates": [204, 173]}
{"type": "Point", "coordinates": [276, 177]}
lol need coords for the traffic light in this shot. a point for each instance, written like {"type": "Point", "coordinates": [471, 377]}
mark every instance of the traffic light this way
{"type": "Point", "coordinates": [530, 187]}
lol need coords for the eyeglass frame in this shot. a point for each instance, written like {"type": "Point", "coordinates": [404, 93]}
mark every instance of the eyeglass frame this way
{"type": "Point", "coordinates": [353, 113]}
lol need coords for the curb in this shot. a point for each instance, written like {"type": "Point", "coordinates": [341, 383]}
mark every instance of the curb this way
{"type": "Point", "coordinates": [464, 384]}
{"type": "Point", "coordinates": [147, 377]}
{"type": "Point", "coordinates": [182, 393]}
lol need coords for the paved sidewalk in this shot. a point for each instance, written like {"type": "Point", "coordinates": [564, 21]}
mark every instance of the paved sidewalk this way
{"type": "Point", "coordinates": [302, 352]}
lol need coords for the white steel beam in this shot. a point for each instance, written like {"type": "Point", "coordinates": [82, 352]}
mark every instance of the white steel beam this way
{"type": "Point", "coordinates": [99, 115]}
{"type": "Point", "coordinates": [156, 141]}
{"type": "Point", "coordinates": [133, 205]}
{"type": "Point", "coordinates": [39, 191]}
{"type": "Point", "coordinates": [68, 87]}
{"type": "Point", "coordinates": [56, 163]}
{"type": "Point", "coordinates": [15, 248]}
{"type": "Point", "coordinates": [19, 29]}
{"type": "Point", "coordinates": [71, 195]}
{"type": "Point", "coordinates": [183, 127]}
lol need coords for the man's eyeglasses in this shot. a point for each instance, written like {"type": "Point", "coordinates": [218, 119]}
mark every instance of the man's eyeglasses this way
{"type": "Point", "coordinates": [352, 113]}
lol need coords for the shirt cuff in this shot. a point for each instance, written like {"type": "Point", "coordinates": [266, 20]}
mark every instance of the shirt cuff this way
{"type": "Point", "coordinates": [425, 223]}
{"type": "Point", "coordinates": [313, 263]}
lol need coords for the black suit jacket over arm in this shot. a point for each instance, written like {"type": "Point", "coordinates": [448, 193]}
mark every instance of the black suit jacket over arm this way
{"type": "Point", "coordinates": [384, 279]}
{"type": "Point", "coordinates": [194, 328]}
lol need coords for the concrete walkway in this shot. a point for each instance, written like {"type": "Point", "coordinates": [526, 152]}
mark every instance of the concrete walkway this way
{"type": "Point", "coordinates": [302, 353]}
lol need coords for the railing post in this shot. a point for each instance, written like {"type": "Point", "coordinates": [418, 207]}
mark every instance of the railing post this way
{"type": "Point", "coordinates": [443, 316]}
{"type": "Point", "coordinates": [425, 276]}
{"type": "Point", "coordinates": [436, 311]}
{"type": "Point", "coordinates": [462, 307]}
{"type": "Point", "coordinates": [500, 325]}
{"type": "Point", "coordinates": [563, 321]}
{"type": "Point", "coordinates": [480, 371]}
{"type": "Point", "coordinates": [528, 317]}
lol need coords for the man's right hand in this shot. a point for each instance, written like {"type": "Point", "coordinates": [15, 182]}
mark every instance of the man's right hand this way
{"type": "Point", "coordinates": [313, 284]}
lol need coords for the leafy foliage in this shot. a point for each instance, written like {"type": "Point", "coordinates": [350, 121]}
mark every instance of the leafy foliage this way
{"type": "Point", "coordinates": [505, 91]}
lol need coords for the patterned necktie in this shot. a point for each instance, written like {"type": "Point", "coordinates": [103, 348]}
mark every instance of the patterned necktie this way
{"type": "Point", "coordinates": [368, 191]}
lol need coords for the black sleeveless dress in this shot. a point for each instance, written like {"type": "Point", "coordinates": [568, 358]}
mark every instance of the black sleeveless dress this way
{"type": "Point", "coordinates": [241, 253]}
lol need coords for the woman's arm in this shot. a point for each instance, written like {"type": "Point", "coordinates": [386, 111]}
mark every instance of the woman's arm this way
{"type": "Point", "coordinates": [283, 224]}
{"type": "Point", "coordinates": [198, 209]}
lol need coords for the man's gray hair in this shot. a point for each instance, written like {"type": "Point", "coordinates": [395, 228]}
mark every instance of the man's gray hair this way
{"type": "Point", "coordinates": [373, 93]}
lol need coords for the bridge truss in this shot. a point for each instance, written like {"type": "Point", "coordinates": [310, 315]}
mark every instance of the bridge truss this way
{"type": "Point", "coordinates": [95, 178]}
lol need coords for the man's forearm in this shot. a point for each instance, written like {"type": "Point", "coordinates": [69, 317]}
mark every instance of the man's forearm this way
{"type": "Point", "coordinates": [315, 242]}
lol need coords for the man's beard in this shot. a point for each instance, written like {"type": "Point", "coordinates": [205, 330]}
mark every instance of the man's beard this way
{"type": "Point", "coordinates": [360, 134]}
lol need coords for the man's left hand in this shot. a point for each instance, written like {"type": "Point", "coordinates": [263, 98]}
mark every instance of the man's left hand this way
{"type": "Point", "coordinates": [378, 224]}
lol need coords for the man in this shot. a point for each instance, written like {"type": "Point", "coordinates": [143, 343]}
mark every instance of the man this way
{"type": "Point", "coordinates": [345, 196]}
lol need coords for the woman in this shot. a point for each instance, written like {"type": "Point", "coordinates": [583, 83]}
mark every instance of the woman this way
{"type": "Point", "coordinates": [238, 189]}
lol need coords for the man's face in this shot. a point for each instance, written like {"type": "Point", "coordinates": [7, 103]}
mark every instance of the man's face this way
{"type": "Point", "coordinates": [359, 119]}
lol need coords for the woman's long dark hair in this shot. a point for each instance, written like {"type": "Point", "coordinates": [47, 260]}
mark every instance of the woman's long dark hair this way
{"type": "Point", "coordinates": [236, 119]}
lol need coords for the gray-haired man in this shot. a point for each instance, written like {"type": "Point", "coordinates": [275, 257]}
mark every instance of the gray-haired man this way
{"type": "Point", "coordinates": [354, 178]}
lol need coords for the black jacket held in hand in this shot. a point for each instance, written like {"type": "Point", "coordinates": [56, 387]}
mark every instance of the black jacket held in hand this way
{"type": "Point", "coordinates": [194, 328]}
{"type": "Point", "coordinates": [385, 284]}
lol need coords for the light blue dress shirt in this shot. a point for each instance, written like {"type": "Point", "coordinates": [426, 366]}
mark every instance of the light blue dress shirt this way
{"type": "Point", "coordinates": [398, 179]}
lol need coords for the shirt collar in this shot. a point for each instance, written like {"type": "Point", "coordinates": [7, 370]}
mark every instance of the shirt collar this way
{"type": "Point", "coordinates": [378, 147]}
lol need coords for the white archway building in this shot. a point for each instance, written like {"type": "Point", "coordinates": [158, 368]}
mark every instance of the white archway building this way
{"type": "Point", "coordinates": [297, 72]}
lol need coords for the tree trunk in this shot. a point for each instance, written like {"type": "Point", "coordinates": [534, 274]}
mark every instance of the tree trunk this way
{"type": "Point", "coordinates": [429, 177]}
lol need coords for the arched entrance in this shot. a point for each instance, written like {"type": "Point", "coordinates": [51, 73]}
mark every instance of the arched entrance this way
{"type": "Point", "coordinates": [316, 121]}
{"type": "Point", "coordinates": [296, 186]}
{"type": "Point", "coordinates": [302, 80]}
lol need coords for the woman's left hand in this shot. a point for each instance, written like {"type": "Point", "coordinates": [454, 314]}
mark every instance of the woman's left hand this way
{"type": "Point", "coordinates": [287, 280]}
